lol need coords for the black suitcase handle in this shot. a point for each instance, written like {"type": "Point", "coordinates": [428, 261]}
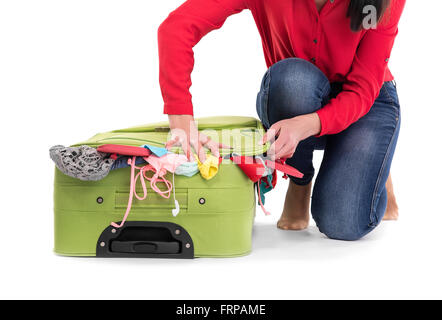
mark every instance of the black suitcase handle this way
{"type": "Point", "coordinates": [157, 247]}
{"type": "Point", "coordinates": [145, 239]}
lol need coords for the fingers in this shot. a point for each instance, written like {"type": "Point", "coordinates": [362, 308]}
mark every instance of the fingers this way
{"type": "Point", "coordinates": [271, 133]}
{"type": "Point", "coordinates": [185, 133]}
{"type": "Point", "coordinates": [201, 152]}
{"type": "Point", "coordinates": [180, 138]}
{"type": "Point", "coordinates": [196, 145]}
{"type": "Point", "coordinates": [173, 142]}
{"type": "Point", "coordinates": [280, 145]}
{"type": "Point", "coordinates": [283, 147]}
{"type": "Point", "coordinates": [224, 146]}
{"type": "Point", "coordinates": [182, 128]}
{"type": "Point", "coordinates": [271, 152]}
{"type": "Point", "coordinates": [286, 151]}
{"type": "Point", "coordinates": [195, 142]}
{"type": "Point", "coordinates": [187, 149]}
{"type": "Point", "coordinates": [213, 147]}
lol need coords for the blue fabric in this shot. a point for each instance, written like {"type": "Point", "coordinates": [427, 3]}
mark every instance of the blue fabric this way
{"type": "Point", "coordinates": [187, 169]}
{"type": "Point", "coordinates": [349, 197]}
{"type": "Point", "coordinates": [121, 162]}
{"type": "Point", "coordinates": [158, 151]}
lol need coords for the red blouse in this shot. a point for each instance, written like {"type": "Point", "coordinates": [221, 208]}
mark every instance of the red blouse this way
{"type": "Point", "coordinates": [288, 28]}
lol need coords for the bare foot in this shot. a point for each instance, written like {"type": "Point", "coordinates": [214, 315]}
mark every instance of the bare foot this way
{"type": "Point", "coordinates": [392, 212]}
{"type": "Point", "coordinates": [296, 213]}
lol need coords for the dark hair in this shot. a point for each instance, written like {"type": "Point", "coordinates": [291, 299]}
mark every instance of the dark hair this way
{"type": "Point", "coordinates": [356, 11]}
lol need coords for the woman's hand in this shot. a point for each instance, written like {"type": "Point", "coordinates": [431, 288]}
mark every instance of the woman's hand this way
{"type": "Point", "coordinates": [289, 133]}
{"type": "Point", "coordinates": [185, 133]}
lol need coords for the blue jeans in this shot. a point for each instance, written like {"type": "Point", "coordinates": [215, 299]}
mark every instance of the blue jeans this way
{"type": "Point", "coordinates": [349, 197]}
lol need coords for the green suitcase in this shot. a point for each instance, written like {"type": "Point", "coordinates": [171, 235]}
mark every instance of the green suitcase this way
{"type": "Point", "coordinates": [216, 216]}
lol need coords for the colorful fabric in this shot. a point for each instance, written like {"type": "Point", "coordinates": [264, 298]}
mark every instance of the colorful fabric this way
{"type": "Point", "coordinates": [188, 169]}
{"type": "Point", "coordinates": [168, 162]}
{"type": "Point", "coordinates": [158, 151]}
{"type": "Point", "coordinates": [252, 168]}
{"type": "Point", "coordinates": [209, 168]}
{"type": "Point", "coordinates": [124, 150]}
{"type": "Point", "coordinates": [265, 185]}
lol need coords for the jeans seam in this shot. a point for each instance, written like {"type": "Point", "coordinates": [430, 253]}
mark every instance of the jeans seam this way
{"type": "Point", "coordinates": [266, 103]}
{"type": "Point", "coordinates": [392, 102]}
{"type": "Point", "coordinates": [326, 97]}
{"type": "Point", "coordinates": [378, 181]}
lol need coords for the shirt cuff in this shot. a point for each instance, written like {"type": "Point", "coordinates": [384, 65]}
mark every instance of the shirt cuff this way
{"type": "Point", "coordinates": [322, 114]}
{"type": "Point", "coordinates": [178, 108]}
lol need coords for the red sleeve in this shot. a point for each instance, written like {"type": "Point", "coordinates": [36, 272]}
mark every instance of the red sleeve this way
{"type": "Point", "coordinates": [366, 77]}
{"type": "Point", "coordinates": [177, 36]}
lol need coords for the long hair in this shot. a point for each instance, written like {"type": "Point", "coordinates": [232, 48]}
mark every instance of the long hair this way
{"type": "Point", "coordinates": [356, 11]}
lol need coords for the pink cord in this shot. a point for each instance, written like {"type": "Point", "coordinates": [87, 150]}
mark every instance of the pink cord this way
{"type": "Point", "coordinates": [267, 213]}
{"type": "Point", "coordinates": [133, 183]}
{"type": "Point", "coordinates": [131, 193]}
{"type": "Point", "coordinates": [156, 178]}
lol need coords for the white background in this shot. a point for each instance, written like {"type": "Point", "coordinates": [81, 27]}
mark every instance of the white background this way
{"type": "Point", "coordinates": [70, 69]}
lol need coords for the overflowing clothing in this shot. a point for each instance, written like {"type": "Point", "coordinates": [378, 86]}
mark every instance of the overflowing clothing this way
{"type": "Point", "coordinates": [89, 164]}
{"type": "Point", "coordinates": [208, 168]}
